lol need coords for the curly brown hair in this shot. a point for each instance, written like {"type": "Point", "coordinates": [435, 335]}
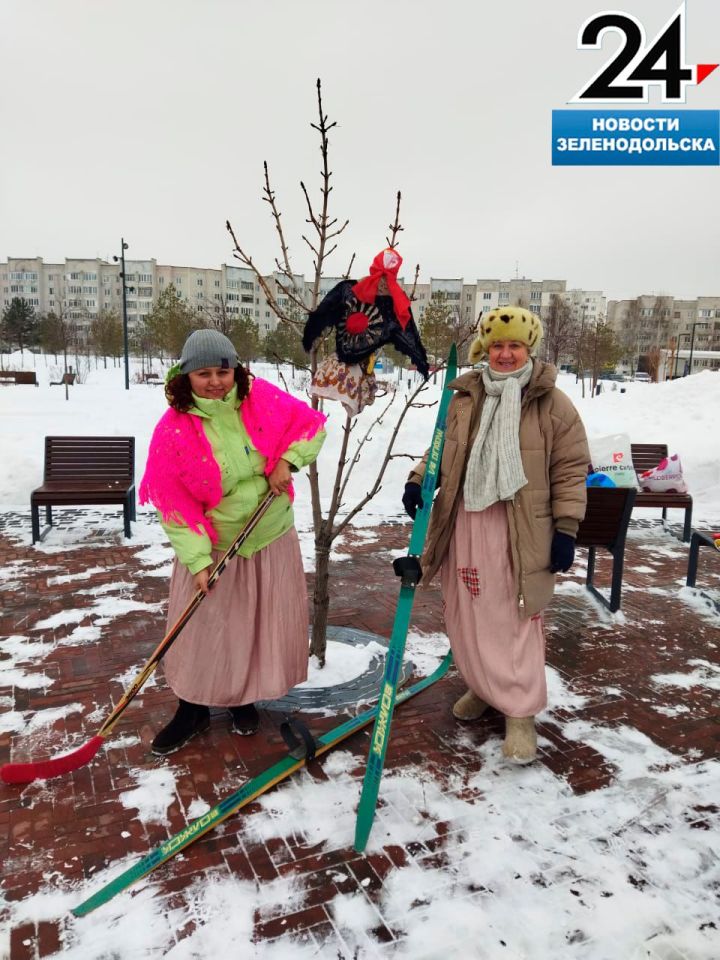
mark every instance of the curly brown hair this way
{"type": "Point", "coordinates": [179, 392]}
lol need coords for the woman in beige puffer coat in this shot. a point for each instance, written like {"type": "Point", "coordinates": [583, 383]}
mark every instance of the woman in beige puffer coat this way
{"type": "Point", "coordinates": [512, 494]}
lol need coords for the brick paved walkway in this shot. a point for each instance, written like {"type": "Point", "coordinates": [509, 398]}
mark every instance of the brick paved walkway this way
{"type": "Point", "coordinates": [72, 827]}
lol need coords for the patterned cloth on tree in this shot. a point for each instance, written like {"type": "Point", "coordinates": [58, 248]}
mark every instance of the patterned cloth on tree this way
{"type": "Point", "coordinates": [347, 383]}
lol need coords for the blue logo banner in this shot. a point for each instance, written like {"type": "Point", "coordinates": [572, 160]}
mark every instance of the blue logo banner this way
{"type": "Point", "coordinates": [636, 138]}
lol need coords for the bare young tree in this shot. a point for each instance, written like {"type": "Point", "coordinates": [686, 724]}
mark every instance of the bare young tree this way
{"type": "Point", "coordinates": [561, 329]}
{"type": "Point", "coordinates": [324, 229]}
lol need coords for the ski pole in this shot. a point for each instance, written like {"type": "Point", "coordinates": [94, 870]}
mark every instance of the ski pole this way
{"type": "Point", "coordinates": [408, 569]}
{"type": "Point", "coordinates": [56, 766]}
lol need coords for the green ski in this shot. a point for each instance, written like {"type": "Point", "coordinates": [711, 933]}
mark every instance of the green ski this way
{"type": "Point", "coordinates": [408, 568]}
{"type": "Point", "coordinates": [252, 789]}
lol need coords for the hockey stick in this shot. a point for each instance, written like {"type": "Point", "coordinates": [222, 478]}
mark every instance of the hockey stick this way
{"type": "Point", "coordinates": [56, 766]}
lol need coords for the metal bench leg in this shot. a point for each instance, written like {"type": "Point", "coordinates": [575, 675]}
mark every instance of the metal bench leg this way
{"type": "Point", "coordinates": [617, 573]}
{"type": "Point", "coordinates": [127, 514]}
{"type": "Point", "coordinates": [687, 528]}
{"type": "Point", "coordinates": [48, 515]}
{"type": "Point", "coordinates": [693, 560]}
{"type": "Point", "coordinates": [35, 522]}
{"type": "Point", "coordinates": [590, 567]}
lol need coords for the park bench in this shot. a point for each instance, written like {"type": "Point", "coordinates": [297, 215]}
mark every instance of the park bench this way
{"type": "Point", "coordinates": [19, 376]}
{"type": "Point", "coordinates": [645, 456]}
{"type": "Point", "coordinates": [85, 470]}
{"type": "Point", "coordinates": [67, 378]}
{"type": "Point", "coordinates": [152, 378]}
{"type": "Point", "coordinates": [696, 541]}
{"type": "Point", "coordinates": [605, 525]}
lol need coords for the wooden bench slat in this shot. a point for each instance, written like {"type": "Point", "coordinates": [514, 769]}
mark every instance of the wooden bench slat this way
{"type": "Point", "coordinates": [86, 470]}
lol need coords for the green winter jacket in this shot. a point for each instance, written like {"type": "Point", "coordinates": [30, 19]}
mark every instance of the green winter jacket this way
{"type": "Point", "coordinates": [244, 484]}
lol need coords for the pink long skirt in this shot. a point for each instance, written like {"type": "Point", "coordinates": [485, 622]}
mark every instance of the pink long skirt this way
{"type": "Point", "coordinates": [248, 639]}
{"type": "Point", "coordinates": [500, 655]}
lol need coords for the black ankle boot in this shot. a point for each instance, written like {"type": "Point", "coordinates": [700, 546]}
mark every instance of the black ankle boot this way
{"type": "Point", "coordinates": [246, 719]}
{"type": "Point", "coordinates": [189, 719]}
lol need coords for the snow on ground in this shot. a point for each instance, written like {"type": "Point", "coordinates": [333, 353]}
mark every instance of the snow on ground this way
{"type": "Point", "coordinates": [551, 866]}
{"type": "Point", "coordinates": [681, 413]}
{"type": "Point", "coordinates": [560, 876]}
{"type": "Point", "coordinates": [344, 663]}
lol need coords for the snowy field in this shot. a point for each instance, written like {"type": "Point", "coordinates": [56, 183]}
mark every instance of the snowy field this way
{"type": "Point", "coordinates": [682, 413]}
{"type": "Point", "coordinates": [573, 852]}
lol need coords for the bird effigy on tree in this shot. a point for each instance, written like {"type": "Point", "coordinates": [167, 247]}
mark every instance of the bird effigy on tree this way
{"type": "Point", "coordinates": [366, 315]}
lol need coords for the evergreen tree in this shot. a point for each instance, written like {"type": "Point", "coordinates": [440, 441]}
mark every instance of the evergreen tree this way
{"type": "Point", "coordinates": [284, 345]}
{"type": "Point", "coordinates": [245, 337]}
{"type": "Point", "coordinates": [19, 323]}
{"type": "Point", "coordinates": [170, 322]}
{"type": "Point", "coordinates": [442, 326]}
{"type": "Point", "coordinates": [601, 350]}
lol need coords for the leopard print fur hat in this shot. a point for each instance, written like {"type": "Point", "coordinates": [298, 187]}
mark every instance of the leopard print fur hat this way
{"type": "Point", "coordinates": [506, 323]}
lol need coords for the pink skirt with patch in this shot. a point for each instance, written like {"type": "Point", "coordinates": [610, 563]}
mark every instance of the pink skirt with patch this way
{"type": "Point", "coordinates": [500, 655]}
{"type": "Point", "coordinates": [248, 639]}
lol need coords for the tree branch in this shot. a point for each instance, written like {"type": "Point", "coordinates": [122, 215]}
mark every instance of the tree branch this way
{"type": "Point", "coordinates": [415, 280]}
{"type": "Point", "coordinates": [346, 275]}
{"type": "Point", "coordinates": [246, 259]}
{"type": "Point", "coordinates": [270, 198]}
{"type": "Point", "coordinates": [395, 228]}
{"type": "Point", "coordinates": [361, 444]}
{"type": "Point", "coordinates": [377, 485]}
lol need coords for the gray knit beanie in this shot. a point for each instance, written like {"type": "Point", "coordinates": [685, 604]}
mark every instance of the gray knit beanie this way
{"type": "Point", "coordinates": [207, 348]}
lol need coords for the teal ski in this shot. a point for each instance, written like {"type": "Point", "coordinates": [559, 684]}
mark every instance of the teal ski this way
{"type": "Point", "coordinates": [252, 789]}
{"type": "Point", "coordinates": [408, 568]}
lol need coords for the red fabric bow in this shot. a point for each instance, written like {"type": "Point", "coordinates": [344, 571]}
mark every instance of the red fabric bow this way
{"type": "Point", "coordinates": [386, 264]}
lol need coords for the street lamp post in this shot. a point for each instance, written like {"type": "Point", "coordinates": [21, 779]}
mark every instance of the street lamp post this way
{"type": "Point", "coordinates": [692, 344]}
{"type": "Point", "coordinates": [121, 260]}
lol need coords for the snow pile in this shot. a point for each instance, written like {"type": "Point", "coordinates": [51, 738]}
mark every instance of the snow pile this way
{"type": "Point", "coordinates": [681, 413]}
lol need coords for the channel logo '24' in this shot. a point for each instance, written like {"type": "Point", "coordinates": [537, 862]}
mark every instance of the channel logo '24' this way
{"type": "Point", "coordinates": [637, 65]}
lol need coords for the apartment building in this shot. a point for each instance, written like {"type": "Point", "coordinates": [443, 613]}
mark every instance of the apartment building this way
{"type": "Point", "coordinates": [674, 326]}
{"type": "Point", "coordinates": [473, 299]}
{"type": "Point", "coordinates": [82, 288]}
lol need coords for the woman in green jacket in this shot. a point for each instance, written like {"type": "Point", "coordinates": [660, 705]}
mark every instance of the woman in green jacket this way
{"type": "Point", "coordinates": [227, 439]}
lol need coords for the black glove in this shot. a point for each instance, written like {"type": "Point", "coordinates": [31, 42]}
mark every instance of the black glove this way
{"type": "Point", "coordinates": [412, 499]}
{"type": "Point", "coordinates": [562, 552]}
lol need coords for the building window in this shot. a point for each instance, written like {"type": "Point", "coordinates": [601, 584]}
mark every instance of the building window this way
{"type": "Point", "coordinates": [487, 296]}
{"type": "Point", "coordinates": [246, 285]}
{"type": "Point", "coordinates": [199, 282]}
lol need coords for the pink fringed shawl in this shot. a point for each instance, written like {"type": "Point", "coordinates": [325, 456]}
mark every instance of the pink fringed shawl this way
{"type": "Point", "coordinates": [182, 477]}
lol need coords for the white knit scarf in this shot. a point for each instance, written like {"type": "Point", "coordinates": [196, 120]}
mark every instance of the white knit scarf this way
{"type": "Point", "coordinates": [494, 470]}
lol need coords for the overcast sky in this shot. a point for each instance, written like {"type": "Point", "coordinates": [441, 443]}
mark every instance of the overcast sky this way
{"type": "Point", "coordinates": [151, 119]}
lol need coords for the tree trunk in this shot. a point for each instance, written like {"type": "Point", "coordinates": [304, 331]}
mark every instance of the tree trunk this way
{"type": "Point", "coordinates": [321, 595]}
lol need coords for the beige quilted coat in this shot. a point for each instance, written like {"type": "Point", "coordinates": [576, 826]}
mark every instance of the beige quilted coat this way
{"type": "Point", "coordinates": [555, 459]}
